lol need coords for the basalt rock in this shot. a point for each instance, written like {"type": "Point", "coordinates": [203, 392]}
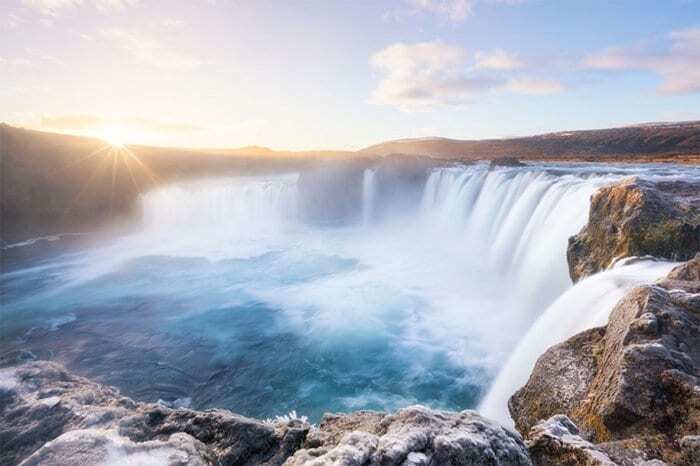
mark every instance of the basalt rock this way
{"type": "Point", "coordinates": [414, 436]}
{"type": "Point", "coordinates": [636, 217]}
{"type": "Point", "coordinates": [633, 384]}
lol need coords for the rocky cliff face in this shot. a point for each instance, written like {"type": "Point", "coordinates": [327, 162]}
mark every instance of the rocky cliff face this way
{"type": "Point", "coordinates": [631, 387]}
{"type": "Point", "coordinates": [636, 218]}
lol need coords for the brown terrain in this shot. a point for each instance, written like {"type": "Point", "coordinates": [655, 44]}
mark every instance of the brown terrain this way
{"type": "Point", "coordinates": [660, 142]}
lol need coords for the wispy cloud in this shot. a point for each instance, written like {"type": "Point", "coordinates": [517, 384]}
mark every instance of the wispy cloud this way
{"type": "Point", "coordinates": [678, 63]}
{"type": "Point", "coordinates": [454, 10]}
{"type": "Point", "coordinates": [498, 60]}
{"type": "Point", "coordinates": [432, 74]}
{"type": "Point", "coordinates": [448, 10]}
{"type": "Point", "coordinates": [149, 50]}
{"type": "Point", "coordinates": [53, 7]}
{"type": "Point", "coordinates": [15, 62]}
{"type": "Point", "coordinates": [535, 86]}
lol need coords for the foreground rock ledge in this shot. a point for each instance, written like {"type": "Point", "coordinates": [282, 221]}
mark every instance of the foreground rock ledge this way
{"type": "Point", "coordinates": [51, 417]}
{"type": "Point", "coordinates": [637, 217]}
{"type": "Point", "coordinates": [631, 387]}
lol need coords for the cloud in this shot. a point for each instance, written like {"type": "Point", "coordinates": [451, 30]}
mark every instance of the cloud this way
{"type": "Point", "coordinates": [173, 23]}
{"type": "Point", "coordinates": [677, 63]}
{"type": "Point", "coordinates": [425, 74]}
{"type": "Point", "coordinates": [429, 74]}
{"type": "Point", "coordinates": [453, 10]}
{"type": "Point", "coordinates": [14, 21]}
{"type": "Point", "coordinates": [16, 62]}
{"type": "Point", "coordinates": [52, 7]}
{"type": "Point", "coordinates": [83, 122]}
{"type": "Point", "coordinates": [534, 86]}
{"type": "Point", "coordinates": [498, 60]}
{"type": "Point", "coordinates": [149, 51]}
{"type": "Point", "coordinates": [450, 10]}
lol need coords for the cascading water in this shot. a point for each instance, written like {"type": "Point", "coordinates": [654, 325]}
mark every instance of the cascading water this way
{"type": "Point", "coordinates": [229, 297]}
{"type": "Point", "coordinates": [585, 306]}
{"type": "Point", "coordinates": [368, 194]}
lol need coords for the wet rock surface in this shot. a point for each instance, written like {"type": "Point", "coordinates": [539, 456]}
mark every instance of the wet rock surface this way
{"type": "Point", "coordinates": [633, 384]}
{"type": "Point", "coordinates": [636, 217]}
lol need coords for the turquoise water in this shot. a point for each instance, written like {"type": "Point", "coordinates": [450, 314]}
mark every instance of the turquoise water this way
{"type": "Point", "coordinates": [169, 328]}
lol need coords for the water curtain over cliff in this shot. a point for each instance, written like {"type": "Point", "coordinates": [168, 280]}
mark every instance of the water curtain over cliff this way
{"type": "Point", "coordinates": [338, 289]}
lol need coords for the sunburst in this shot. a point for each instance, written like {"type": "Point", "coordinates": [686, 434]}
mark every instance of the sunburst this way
{"type": "Point", "coordinates": [114, 155]}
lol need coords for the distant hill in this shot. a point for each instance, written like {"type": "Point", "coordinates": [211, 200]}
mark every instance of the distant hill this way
{"type": "Point", "coordinates": [649, 142]}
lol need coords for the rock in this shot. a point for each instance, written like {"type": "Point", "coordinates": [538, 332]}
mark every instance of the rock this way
{"type": "Point", "coordinates": [412, 436]}
{"type": "Point", "coordinates": [506, 162]}
{"type": "Point", "coordinates": [556, 442]}
{"type": "Point", "coordinates": [635, 217]}
{"type": "Point", "coordinates": [236, 440]}
{"type": "Point", "coordinates": [96, 446]}
{"type": "Point", "coordinates": [50, 417]}
{"type": "Point", "coordinates": [40, 402]}
{"type": "Point", "coordinates": [559, 380]}
{"type": "Point", "coordinates": [690, 449]}
{"type": "Point", "coordinates": [640, 374]}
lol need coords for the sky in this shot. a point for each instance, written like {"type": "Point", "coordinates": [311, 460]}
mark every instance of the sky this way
{"type": "Point", "coordinates": [324, 74]}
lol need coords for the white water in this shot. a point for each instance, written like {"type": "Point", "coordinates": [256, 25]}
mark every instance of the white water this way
{"type": "Point", "coordinates": [368, 194]}
{"type": "Point", "coordinates": [419, 304]}
{"type": "Point", "coordinates": [470, 268]}
{"type": "Point", "coordinates": [582, 307]}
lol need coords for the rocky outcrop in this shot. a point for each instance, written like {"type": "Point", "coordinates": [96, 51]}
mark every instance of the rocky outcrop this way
{"type": "Point", "coordinates": [636, 217]}
{"type": "Point", "coordinates": [633, 385]}
{"type": "Point", "coordinates": [563, 375]}
{"type": "Point", "coordinates": [506, 162]}
{"type": "Point", "coordinates": [50, 417]}
{"type": "Point", "coordinates": [413, 436]}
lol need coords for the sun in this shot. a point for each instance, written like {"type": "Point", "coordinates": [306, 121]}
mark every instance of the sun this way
{"type": "Point", "coordinates": [113, 136]}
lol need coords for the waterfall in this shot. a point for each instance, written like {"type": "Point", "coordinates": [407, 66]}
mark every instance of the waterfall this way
{"type": "Point", "coordinates": [245, 202]}
{"type": "Point", "coordinates": [336, 289]}
{"type": "Point", "coordinates": [584, 306]}
{"type": "Point", "coordinates": [368, 194]}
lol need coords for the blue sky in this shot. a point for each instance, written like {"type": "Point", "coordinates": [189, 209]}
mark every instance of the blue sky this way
{"type": "Point", "coordinates": [344, 74]}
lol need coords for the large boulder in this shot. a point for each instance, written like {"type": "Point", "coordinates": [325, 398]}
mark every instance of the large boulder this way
{"type": "Point", "coordinates": [634, 382]}
{"type": "Point", "coordinates": [637, 217]}
{"type": "Point", "coordinates": [49, 416]}
{"type": "Point", "coordinates": [414, 436]}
